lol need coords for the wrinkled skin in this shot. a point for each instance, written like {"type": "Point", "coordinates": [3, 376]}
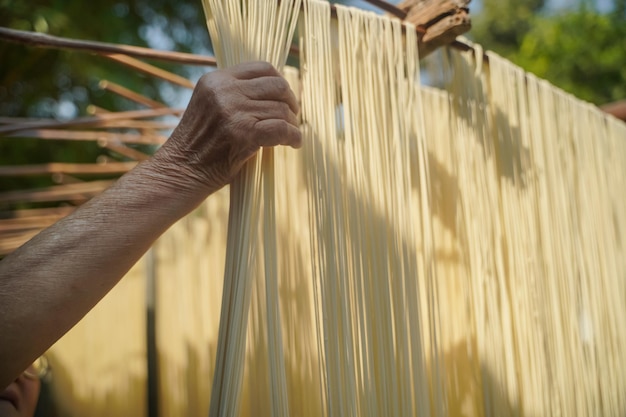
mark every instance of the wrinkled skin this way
{"type": "Point", "coordinates": [51, 282]}
{"type": "Point", "coordinates": [230, 116]}
{"type": "Point", "coordinates": [19, 399]}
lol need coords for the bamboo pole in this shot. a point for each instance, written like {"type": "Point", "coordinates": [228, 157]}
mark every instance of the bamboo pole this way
{"type": "Point", "coordinates": [151, 70]}
{"type": "Point", "coordinates": [140, 124]}
{"type": "Point", "coordinates": [90, 135]}
{"type": "Point", "coordinates": [21, 225]}
{"type": "Point", "coordinates": [130, 95]}
{"type": "Point", "coordinates": [124, 150]}
{"type": "Point", "coordinates": [67, 192]}
{"type": "Point", "coordinates": [66, 168]}
{"type": "Point", "coordinates": [10, 242]}
{"type": "Point", "coordinates": [34, 213]}
{"type": "Point", "coordinates": [48, 41]}
{"type": "Point", "coordinates": [388, 7]}
{"type": "Point", "coordinates": [94, 121]}
{"type": "Point", "coordinates": [93, 110]}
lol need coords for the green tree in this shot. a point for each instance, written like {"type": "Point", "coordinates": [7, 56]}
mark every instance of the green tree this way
{"type": "Point", "coordinates": [581, 51]}
{"type": "Point", "coordinates": [578, 49]}
{"type": "Point", "coordinates": [49, 83]}
{"type": "Point", "coordinates": [502, 24]}
{"type": "Point", "coordinates": [36, 82]}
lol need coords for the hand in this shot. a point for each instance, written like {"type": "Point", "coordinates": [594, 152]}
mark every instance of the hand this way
{"type": "Point", "coordinates": [232, 113]}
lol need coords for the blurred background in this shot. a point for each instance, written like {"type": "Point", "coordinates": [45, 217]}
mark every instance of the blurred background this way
{"type": "Point", "coordinates": [578, 45]}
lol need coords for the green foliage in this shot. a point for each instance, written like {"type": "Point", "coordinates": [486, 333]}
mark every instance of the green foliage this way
{"type": "Point", "coordinates": [36, 81]}
{"type": "Point", "coordinates": [579, 49]}
{"type": "Point", "coordinates": [50, 83]}
{"type": "Point", "coordinates": [502, 24]}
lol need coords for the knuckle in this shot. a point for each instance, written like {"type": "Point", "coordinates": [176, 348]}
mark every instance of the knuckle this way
{"type": "Point", "coordinates": [283, 108]}
{"type": "Point", "coordinates": [281, 86]}
{"type": "Point", "coordinates": [278, 128]}
{"type": "Point", "coordinates": [217, 81]}
{"type": "Point", "coordinates": [266, 67]}
{"type": "Point", "coordinates": [207, 80]}
{"type": "Point", "coordinates": [208, 89]}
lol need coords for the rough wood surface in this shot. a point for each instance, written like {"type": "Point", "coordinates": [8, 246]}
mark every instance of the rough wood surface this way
{"type": "Point", "coordinates": [48, 41]}
{"type": "Point", "coordinates": [442, 21]}
{"type": "Point", "coordinates": [617, 109]}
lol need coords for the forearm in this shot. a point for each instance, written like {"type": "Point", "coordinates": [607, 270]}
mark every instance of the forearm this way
{"type": "Point", "coordinates": [50, 283]}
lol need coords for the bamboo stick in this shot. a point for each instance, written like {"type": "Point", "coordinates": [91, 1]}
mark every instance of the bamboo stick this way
{"type": "Point", "coordinates": [131, 95]}
{"type": "Point", "coordinates": [38, 212]}
{"type": "Point", "coordinates": [11, 242]}
{"type": "Point", "coordinates": [151, 70]}
{"type": "Point", "coordinates": [22, 225]}
{"type": "Point", "coordinates": [64, 178]}
{"type": "Point", "coordinates": [124, 150]}
{"type": "Point", "coordinates": [80, 192]}
{"type": "Point", "coordinates": [388, 7]}
{"type": "Point", "coordinates": [90, 135]}
{"type": "Point", "coordinates": [94, 121]}
{"type": "Point", "coordinates": [13, 120]}
{"type": "Point", "coordinates": [101, 48]}
{"type": "Point", "coordinates": [66, 168]}
{"type": "Point", "coordinates": [140, 124]}
{"type": "Point", "coordinates": [94, 110]}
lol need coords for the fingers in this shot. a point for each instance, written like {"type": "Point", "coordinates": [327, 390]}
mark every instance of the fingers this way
{"type": "Point", "coordinates": [250, 70]}
{"type": "Point", "coordinates": [273, 132]}
{"type": "Point", "coordinates": [263, 110]}
{"type": "Point", "coordinates": [276, 124]}
{"type": "Point", "coordinates": [270, 88]}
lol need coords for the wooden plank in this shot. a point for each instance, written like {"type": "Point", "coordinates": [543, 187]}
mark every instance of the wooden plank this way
{"type": "Point", "coordinates": [130, 95]}
{"type": "Point", "coordinates": [66, 168]}
{"type": "Point", "coordinates": [427, 12]}
{"type": "Point", "coordinates": [91, 135]}
{"type": "Point", "coordinates": [92, 121]}
{"type": "Point", "coordinates": [48, 41]}
{"type": "Point", "coordinates": [151, 70]}
{"type": "Point", "coordinates": [79, 192]}
{"type": "Point", "coordinates": [13, 241]}
{"type": "Point", "coordinates": [125, 151]}
{"type": "Point", "coordinates": [34, 213]}
{"type": "Point", "coordinates": [442, 21]}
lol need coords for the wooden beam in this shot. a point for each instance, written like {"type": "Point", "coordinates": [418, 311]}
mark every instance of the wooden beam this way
{"type": "Point", "coordinates": [125, 151]}
{"type": "Point", "coordinates": [90, 135]}
{"type": "Point", "coordinates": [389, 8]}
{"type": "Point", "coordinates": [67, 192]}
{"type": "Point", "coordinates": [12, 241]}
{"type": "Point", "coordinates": [66, 168]}
{"type": "Point", "coordinates": [616, 109]}
{"type": "Point", "coordinates": [151, 70]}
{"type": "Point", "coordinates": [28, 213]}
{"type": "Point", "coordinates": [442, 20]}
{"type": "Point", "coordinates": [93, 121]}
{"type": "Point", "coordinates": [130, 95]}
{"type": "Point", "coordinates": [48, 41]}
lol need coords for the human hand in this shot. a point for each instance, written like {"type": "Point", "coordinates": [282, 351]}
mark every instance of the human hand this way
{"type": "Point", "coordinates": [231, 114]}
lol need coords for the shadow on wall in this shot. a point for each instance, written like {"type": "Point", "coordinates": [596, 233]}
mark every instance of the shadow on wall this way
{"type": "Point", "coordinates": [501, 137]}
{"type": "Point", "coordinates": [58, 396]}
{"type": "Point", "coordinates": [472, 390]}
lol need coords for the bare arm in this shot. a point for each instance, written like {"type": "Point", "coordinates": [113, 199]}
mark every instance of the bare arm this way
{"type": "Point", "coordinates": [50, 283]}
